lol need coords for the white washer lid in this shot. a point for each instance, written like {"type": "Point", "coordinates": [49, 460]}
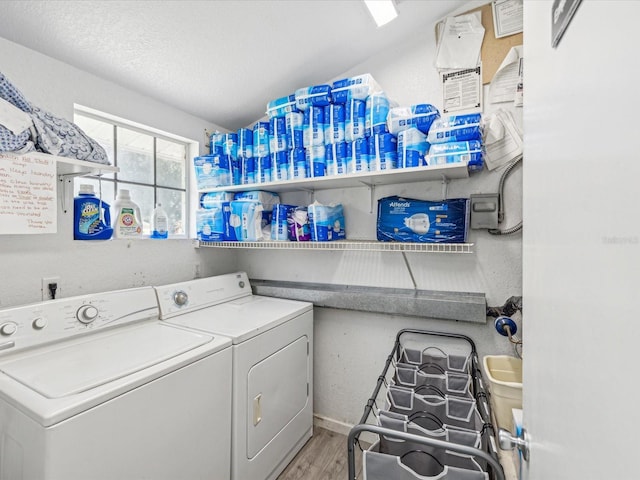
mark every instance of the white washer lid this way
{"type": "Point", "coordinates": [84, 363]}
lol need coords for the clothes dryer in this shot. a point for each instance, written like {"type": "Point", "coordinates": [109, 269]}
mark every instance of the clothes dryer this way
{"type": "Point", "coordinates": [272, 409]}
{"type": "Point", "coordinates": [96, 387]}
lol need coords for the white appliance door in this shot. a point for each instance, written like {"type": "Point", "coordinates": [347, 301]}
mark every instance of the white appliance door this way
{"type": "Point", "coordinates": [581, 242]}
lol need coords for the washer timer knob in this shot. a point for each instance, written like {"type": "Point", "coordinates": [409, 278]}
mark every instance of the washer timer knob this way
{"type": "Point", "coordinates": [87, 314]}
{"type": "Point", "coordinates": [7, 329]}
{"type": "Point", "coordinates": [180, 298]}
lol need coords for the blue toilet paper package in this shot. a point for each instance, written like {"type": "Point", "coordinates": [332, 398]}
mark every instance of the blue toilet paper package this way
{"type": "Point", "coordinates": [420, 116]}
{"type": "Point", "coordinates": [469, 153]}
{"type": "Point", "coordinates": [326, 222]}
{"type": "Point", "coordinates": [316, 96]}
{"type": "Point", "coordinates": [422, 221]}
{"type": "Point", "coordinates": [455, 128]}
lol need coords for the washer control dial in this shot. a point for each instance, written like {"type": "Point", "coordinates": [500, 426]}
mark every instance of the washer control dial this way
{"type": "Point", "coordinates": [7, 329]}
{"type": "Point", "coordinates": [39, 323]}
{"type": "Point", "coordinates": [180, 298]}
{"type": "Point", "coordinates": [87, 314]}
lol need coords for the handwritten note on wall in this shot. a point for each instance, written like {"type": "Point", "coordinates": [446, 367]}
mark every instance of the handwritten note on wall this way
{"type": "Point", "coordinates": [28, 193]}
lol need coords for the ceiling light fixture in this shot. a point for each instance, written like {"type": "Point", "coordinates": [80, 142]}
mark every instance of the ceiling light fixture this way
{"type": "Point", "coordinates": [382, 11]}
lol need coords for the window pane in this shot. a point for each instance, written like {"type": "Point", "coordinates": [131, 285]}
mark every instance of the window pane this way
{"type": "Point", "coordinates": [101, 132]}
{"type": "Point", "coordinates": [171, 160]}
{"type": "Point", "coordinates": [108, 188]}
{"type": "Point", "coordinates": [143, 197]}
{"type": "Point", "coordinates": [174, 203]}
{"type": "Point", "coordinates": [135, 156]}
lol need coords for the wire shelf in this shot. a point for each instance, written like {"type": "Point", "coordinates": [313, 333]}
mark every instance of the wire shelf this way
{"type": "Point", "coordinates": [357, 245]}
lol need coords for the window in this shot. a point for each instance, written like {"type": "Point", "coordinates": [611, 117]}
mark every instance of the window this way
{"type": "Point", "coordinates": [153, 168]}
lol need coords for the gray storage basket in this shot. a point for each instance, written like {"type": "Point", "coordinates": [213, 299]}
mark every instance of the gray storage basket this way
{"type": "Point", "coordinates": [381, 466]}
{"type": "Point", "coordinates": [436, 359]}
{"type": "Point", "coordinates": [450, 383]}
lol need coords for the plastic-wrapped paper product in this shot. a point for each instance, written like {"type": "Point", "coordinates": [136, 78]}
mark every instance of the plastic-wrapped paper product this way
{"type": "Point", "coordinates": [316, 96]}
{"type": "Point", "coordinates": [230, 144]}
{"type": "Point", "coordinates": [277, 135]}
{"type": "Point", "coordinates": [376, 111]}
{"type": "Point", "coordinates": [210, 225]}
{"type": "Point", "coordinates": [267, 199]}
{"type": "Point", "coordinates": [281, 106]}
{"type": "Point", "coordinates": [354, 119]}
{"type": "Point", "coordinates": [212, 199]}
{"type": "Point", "coordinates": [299, 225]}
{"type": "Point", "coordinates": [358, 87]}
{"type": "Point", "coordinates": [336, 158]}
{"type": "Point", "coordinates": [293, 126]}
{"type": "Point", "coordinates": [383, 154]}
{"type": "Point", "coordinates": [212, 171]}
{"type": "Point", "coordinates": [333, 124]}
{"type": "Point", "coordinates": [419, 116]}
{"type": "Point", "coordinates": [280, 219]}
{"type": "Point", "coordinates": [281, 165]}
{"type": "Point", "coordinates": [261, 139]}
{"type": "Point", "coordinates": [248, 170]}
{"type": "Point", "coordinates": [298, 159]}
{"type": "Point", "coordinates": [358, 156]}
{"type": "Point", "coordinates": [326, 222]}
{"type": "Point", "coordinates": [313, 127]}
{"type": "Point", "coordinates": [316, 159]}
{"type": "Point", "coordinates": [412, 148]}
{"type": "Point", "coordinates": [455, 128]}
{"type": "Point", "coordinates": [469, 153]}
{"type": "Point", "coordinates": [245, 142]}
{"type": "Point", "coordinates": [422, 221]}
{"type": "Point", "coordinates": [246, 220]}
{"type": "Point", "coordinates": [215, 143]}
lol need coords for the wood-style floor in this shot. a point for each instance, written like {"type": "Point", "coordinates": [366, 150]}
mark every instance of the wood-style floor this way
{"type": "Point", "coordinates": [324, 457]}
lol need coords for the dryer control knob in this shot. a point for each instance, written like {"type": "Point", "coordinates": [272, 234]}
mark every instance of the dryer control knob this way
{"type": "Point", "coordinates": [8, 328]}
{"type": "Point", "coordinates": [39, 323]}
{"type": "Point", "coordinates": [180, 298]}
{"type": "Point", "coordinates": [87, 314]}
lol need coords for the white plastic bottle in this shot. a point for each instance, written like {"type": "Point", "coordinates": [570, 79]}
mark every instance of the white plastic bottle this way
{"type": "Point", "coordinates": [159, 223]}
{"type": "Point", "coordinates": [127, 220]}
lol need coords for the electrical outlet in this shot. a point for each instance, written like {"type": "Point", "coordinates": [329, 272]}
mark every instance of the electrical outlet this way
{"type": "Point", "coordinates": [46, 293]}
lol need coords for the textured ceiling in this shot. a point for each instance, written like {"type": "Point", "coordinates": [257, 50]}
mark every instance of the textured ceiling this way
{"type": "Point", "coordinates": [218, 60]}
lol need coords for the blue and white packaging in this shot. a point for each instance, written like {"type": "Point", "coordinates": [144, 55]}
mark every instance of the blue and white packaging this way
{"type": "Point", "coordinates": [246, 220]}
{"type": "Point", "coordinates": [264, 170]}
{"type": "Point", "coordinates": [420, 116]}
{"type": "Point", "coordinates": [215, 143]}
{"type": "Point", "coordinates": [277, 135]}
{"type": "Point", "coordinates": [212, 171]}
{"type": "Point", "coordinates": [267, 199]}
{"type": "Point", "coordinates": [422, 221]}
{"type": "Point", "coordinates": [354, 119]}
{"type": "Point", "coordinates": [333, 124]}
{"type": "Point", "coordinates": [316, 96]}
{"type": "Point", "coordinates": [236, 171]}
{"type": "Point", "coordinates": [469, 153]}
{"type": "Point", "coordinates": [313, 127]}
{"type": "Point", "coordinates": [281, 106]}
{"type": "Point", "coordinates": [230, 144]}
{"type": "Point", "coordinates": [299, 163]}
{"type": "Point", "coordinates": [326, 222]}
{"type": "Point", "coordinates": [383, 154]}
{"type": "Point", "coordinates": [261, 139]}
{"type": "Point", "coordinates": [412, 148]}
{"type": "Point", "coordinates": [336, 158]}
{"type": "Point", "coordinates": [248, 170]}
{"type": "Point", "coordinates": [280, 219]}
{"type": "Point", "coordinates": [245, 142]}
{"type": "Point", "coordinates": [455, 128]}
{"type": "Point", "coordinates": [282, 166]}
{"type": "Point", "coordinates": [210, 225]}
{"type": "Point", "coordinates": [358, 88]}
{"type": "Point", "coordinates": [299, 225]}
{"type": "Point", "coordinates": [293, 127]}
{"type": "Point", "coordinates": [376, 110]}
{"type": "Point", "coordinates": [212, 199]}
{"type": "Point", "coordinates": [316, 159]}
{"type": "Point", "coordinates": [358, 156]}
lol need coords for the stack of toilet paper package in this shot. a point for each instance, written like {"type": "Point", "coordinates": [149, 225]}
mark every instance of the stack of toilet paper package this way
{"type": "Point", "coordinates": [258, 215]}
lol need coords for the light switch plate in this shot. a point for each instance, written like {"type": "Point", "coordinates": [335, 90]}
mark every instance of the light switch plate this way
{"type": "Point", "coordinates": [484, 210]}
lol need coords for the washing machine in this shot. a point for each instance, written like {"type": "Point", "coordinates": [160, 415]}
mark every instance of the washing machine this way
{"type": "Point", "coordinates": [272, 409]}
{"type": "Point", "coordinates": [98, 388]}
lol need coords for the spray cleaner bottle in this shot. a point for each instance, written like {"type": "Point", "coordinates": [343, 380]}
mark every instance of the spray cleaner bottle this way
{"type": "Point", "coordinates": [91, 219]}
{"type": "Point", "coordinates": [127, 220]}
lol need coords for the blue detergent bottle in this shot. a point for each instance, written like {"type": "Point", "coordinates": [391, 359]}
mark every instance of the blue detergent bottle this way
{"type": "Point", "coordinates": [88, 220]}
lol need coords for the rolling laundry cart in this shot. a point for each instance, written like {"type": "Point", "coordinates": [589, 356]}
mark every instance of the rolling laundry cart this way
{"type": "Point", "coordinates": [433, 416]}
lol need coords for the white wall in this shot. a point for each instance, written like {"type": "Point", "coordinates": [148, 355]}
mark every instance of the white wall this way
{"type": "Point", "coordinates": [351, 346]}
{"type": "Point", "coordinates": [86, 267]}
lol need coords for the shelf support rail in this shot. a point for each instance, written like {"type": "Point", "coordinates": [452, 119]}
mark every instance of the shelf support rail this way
{"type": "Point", "coordinates": [406, 262]}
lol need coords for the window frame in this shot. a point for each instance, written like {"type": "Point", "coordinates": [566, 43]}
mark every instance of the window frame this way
{"type": "Point", "coordinates": [191, 150]}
